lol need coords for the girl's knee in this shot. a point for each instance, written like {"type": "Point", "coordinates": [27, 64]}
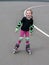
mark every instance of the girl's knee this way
{"type": "Point", "coordinates": [27, 38]}
{"type": "Point", "coordinates": [21, 38]}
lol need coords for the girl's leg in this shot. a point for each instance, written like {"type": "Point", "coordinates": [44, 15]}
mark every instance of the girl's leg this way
{"type": "Point", "coordinates": [27, 42]}
{"type": "Point", "coordinates": [20, 38]}
{"type": "Point", "coordinates": [27, 37]}
{"type": "Point", "coordinates": [19, 41]}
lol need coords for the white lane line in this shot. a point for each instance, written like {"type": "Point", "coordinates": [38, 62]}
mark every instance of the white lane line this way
{"type": "Point", "coordinates": [41, 31]}
{"type": "Point", "coordinates": [35, 25]}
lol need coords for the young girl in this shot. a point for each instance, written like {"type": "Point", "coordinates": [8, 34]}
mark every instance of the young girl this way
{"type": "Point", "coordinates": [26, 25]}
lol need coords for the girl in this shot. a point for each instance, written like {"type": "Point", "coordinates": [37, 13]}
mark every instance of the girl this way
{"type": "Point", "coordinates": [26, 25]}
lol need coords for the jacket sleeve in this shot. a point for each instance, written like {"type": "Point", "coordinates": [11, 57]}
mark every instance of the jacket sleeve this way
{"type": "Point", "coordinates": [31, 27]}
{"type": "Point", "coordinates": [18, 26]}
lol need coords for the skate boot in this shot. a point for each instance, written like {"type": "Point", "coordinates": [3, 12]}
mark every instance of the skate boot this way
{"type": "Point", "coordinates": [28, 50]}
{"type": "Point", "coordinates": [15, 50]}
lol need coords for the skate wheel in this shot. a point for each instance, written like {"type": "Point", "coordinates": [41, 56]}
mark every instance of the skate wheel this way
{"type": "Point", "coordinates": [30, 53]}
{"type": "Point", "coordinates": [14, 51]}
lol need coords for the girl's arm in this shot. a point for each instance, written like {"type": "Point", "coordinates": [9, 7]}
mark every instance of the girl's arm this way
{"type": "Point", "coordinates": [31, 28]}
{"type": "Point", "coordinates": [18, 26]}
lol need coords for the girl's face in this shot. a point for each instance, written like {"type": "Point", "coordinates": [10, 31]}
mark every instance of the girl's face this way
{"type": "Point", "coordinates": [28, 14]}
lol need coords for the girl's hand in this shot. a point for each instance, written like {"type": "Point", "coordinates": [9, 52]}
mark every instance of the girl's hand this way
{"type": "Point", "coordinates": [16, 30]}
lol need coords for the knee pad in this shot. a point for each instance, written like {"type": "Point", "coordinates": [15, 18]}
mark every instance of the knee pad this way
{"type": "Point", "coordinates": [21, 38]}
{"type": "Point", "coordinates": [27, 38]}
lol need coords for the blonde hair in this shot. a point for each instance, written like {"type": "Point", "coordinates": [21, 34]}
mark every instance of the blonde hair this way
{"type": "Point", "coordinates": [30, 10]}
